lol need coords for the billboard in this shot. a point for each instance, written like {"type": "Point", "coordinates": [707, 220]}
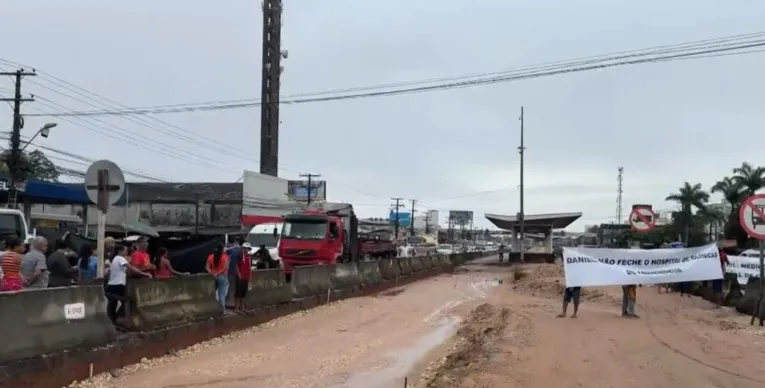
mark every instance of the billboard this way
{"type": "Point", "coordinates": [460, 217]}
{"type": "Point", "coordinates": [265, 198]}
{"type": "Point", "coordinates": [404, 218]}
{"type": "Point", "coordinates": [298, 190]}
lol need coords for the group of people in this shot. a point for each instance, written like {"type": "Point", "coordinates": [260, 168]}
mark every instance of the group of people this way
{"type": "Point", "coordinates": [20, 269]}
{"type": "Point", "coordinates": [232, 265]}
{"type": "Point", "coordinates": [31, 268]}
{"type": "Point", "coordinates": [629, 293]}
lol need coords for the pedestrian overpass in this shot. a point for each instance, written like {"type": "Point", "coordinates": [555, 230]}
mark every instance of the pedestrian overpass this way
{"type": "Point", "coordinates": [542, 224]}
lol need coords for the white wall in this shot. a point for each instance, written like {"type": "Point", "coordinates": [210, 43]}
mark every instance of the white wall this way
{"type": "Point", "coordinates": [154, 214]}
{"type": "Point", "coordinates": [265, 195]}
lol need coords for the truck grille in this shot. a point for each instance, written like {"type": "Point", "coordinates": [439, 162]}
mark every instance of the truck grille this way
{"type": "Point", "coordinates": [300, 252]}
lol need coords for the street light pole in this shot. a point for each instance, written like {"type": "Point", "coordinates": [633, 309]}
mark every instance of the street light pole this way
{"type": "Point", "coordinates": [44, 131]}
{"type": "Point", "coordinates": [521, 214]}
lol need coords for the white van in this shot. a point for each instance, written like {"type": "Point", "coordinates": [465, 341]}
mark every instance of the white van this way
{"type": "Point", "coordinates": [268, 235]}
{"type": "Point", "coordinates": [13, 223]}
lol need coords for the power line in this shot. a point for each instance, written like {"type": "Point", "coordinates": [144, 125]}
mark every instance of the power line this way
{"type": "Point", "coordinates": [91, 99]}
{"type": "Point", "coordinates": [692, 50]}
{"type": "Point", "coordinates": [579, 60]}
{"type": "Point", "coordinates": [79, 159]}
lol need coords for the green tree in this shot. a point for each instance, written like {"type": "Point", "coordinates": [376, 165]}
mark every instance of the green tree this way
{"type": "Point", "coordinates": [749, 178]}
{"type": "Point", "coordinates": [688, 197]}
{"type": "Point", "coordinates": [35, 163]}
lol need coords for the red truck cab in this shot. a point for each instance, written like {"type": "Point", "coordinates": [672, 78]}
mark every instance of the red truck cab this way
{"type": "Point", "coordinates": [323, 234]}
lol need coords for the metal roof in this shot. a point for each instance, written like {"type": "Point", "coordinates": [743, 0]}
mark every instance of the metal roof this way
{"type": "Point", "coordinates": [534, 222]}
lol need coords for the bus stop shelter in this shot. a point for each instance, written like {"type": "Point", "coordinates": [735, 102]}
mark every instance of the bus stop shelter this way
{"type": "Point", "coordinates": [542, 224]}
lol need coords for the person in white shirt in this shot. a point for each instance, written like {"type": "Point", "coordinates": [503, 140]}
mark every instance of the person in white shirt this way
{"type": "Point", "coordinates": [116, 285]}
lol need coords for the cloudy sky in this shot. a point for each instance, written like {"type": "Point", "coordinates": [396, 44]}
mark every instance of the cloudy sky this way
{"type": "Point", "coordinates": [453, 149]}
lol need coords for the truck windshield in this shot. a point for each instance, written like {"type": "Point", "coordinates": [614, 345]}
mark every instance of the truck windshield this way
{"type": "Point", "coordinates": [305, 230]}
{"type": "Point", "coordinates": [10, 224]}
{"type": "Point", "coordinates": [267, 239]}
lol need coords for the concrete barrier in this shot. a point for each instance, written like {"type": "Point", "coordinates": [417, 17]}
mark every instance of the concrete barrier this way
{"type": "Point", "coordinates": [38, 322]}
{"type": "Point", "coordinates": [427, 262]}
{"type": "Point", "coordinates": [60, 368]}
{"type": "Point", "coordinates": [268, 287]}
{"type": "Point", "coordinates": [346, 276]}
{"type": "Point", "coordinates": [158, 303]}
{"type": "Point", "coordinates": [370, 273]}
{"type": "Point", "coordinates": [311, 280]}
{"type": "Point", "coordinates": [405, 266]}
{"type": "Point", "coordinates": [417, 264]}
{"type": "Point", "coordinates": [389, 269]}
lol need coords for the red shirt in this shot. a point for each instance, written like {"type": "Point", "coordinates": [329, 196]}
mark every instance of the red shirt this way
{"type": "Point", "coordinates": [244, 265]}
{"type": "Point", "coordinates": [723, 259]}
{"type": "Point", "coordinates": [163, 272]}
{"type": "Point", "coordinates": [140, 260]}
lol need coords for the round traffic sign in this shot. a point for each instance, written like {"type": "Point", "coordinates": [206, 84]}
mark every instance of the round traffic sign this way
{"type": "Point", "coordinates": [751, 215]}
{"type": "Point", "coordinates": [642, 219]}
{"type": "Point", "coordinates": [115, 185]}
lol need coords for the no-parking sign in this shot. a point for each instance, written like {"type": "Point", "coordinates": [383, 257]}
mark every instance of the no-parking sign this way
{"type": "Point", "coordinates": [642, 219]}
{"type": "Point", "coordinates": [752, 216]}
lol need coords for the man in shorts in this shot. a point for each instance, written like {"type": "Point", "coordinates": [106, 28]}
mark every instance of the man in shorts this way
{"type": "Point", "coordinates": [571, 294]}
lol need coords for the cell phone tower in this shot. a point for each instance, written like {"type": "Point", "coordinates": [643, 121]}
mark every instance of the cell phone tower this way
{"type": "Point", "coordinates": [619, 193]}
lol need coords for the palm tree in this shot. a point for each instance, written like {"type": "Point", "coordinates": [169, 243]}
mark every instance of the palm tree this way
{"type": "Point", "coordinates": [749, 178]}
{"type": "Point", "coordinates": [689, 197]}
{"type": "Point", "coordinates": [730, 189]}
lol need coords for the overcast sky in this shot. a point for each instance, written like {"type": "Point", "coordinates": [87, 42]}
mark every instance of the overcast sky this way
{"type": "Point", "coordinates": [456, 149]}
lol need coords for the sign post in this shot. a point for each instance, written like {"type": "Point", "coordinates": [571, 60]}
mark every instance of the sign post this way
{"type": "Point", "coordinates": [642, 219]}
{"type": "Point", "coordinates": [752, 219]}
{"type": "Point", "coordinates": [104, 183]}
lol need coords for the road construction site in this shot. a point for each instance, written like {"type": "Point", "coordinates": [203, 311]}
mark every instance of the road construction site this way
{"type": "Point", "coordinates": [486, 325]}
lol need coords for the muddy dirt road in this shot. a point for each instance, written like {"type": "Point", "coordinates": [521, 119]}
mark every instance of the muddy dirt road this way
{"type": "Point", "coordinates": [515, 340]}
{"type": "Point", "coordinates": [370, 342]}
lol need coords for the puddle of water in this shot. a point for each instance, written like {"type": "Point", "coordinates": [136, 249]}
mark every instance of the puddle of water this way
{"type": "Point", "coordinates": [393, 376]}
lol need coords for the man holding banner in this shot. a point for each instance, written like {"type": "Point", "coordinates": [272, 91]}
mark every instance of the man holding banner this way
{"type": "Point", "coordinates": [589, 267]}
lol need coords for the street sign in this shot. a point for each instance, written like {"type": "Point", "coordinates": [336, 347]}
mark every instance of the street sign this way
{"type": "Point", "coordinates": [104, 183]}
{"type": "Point", "coordinates": [106, 178]}
{"type": "Point", "coordinates": [752, 216]}
{"type": "Point", "coordinates": [642, 219]}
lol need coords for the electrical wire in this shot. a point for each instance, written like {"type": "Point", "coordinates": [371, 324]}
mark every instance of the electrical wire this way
{"type": "Point", "coordinates": [79, 159]}
{"type": "Point", "coordinates": [719, 50]}
{"type": "Point", "coordinates": [691, 50]}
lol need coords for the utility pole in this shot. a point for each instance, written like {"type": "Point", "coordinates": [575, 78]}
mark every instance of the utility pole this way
{"type": "Point", "coordinates": [427, 222]}
{"type": "Point", "coordinates": [619, 192]}
{"type": "Point", "coordinates": [14, 159]}
{"type": "Point", "coordinates": [397, 206]}
{"type": "Point", "coordinates": [411, 218]}
{"type": "Point", "coordinates": [310, 184]}
{"type": "Point", "coordinates": [521, 214]}
{"type": "Point", "coordinates": [270, 83]}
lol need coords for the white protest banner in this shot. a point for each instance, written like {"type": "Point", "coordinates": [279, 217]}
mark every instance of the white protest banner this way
{"type": "Point", "coordinates": [613, 267]}
{"type": "Point", "coordinates": [744, 267]}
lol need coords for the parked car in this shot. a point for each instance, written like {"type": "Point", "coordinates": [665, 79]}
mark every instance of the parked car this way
{"type": "Point", "coordinates": [445, 249]}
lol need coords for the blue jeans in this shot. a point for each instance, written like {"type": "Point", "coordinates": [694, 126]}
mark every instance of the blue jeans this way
{"type": "Point", "coordinates": [221, 289]}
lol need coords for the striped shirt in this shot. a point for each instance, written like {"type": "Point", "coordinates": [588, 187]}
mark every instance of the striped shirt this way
{"type": "Point", "coordinates": [11, 265]}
